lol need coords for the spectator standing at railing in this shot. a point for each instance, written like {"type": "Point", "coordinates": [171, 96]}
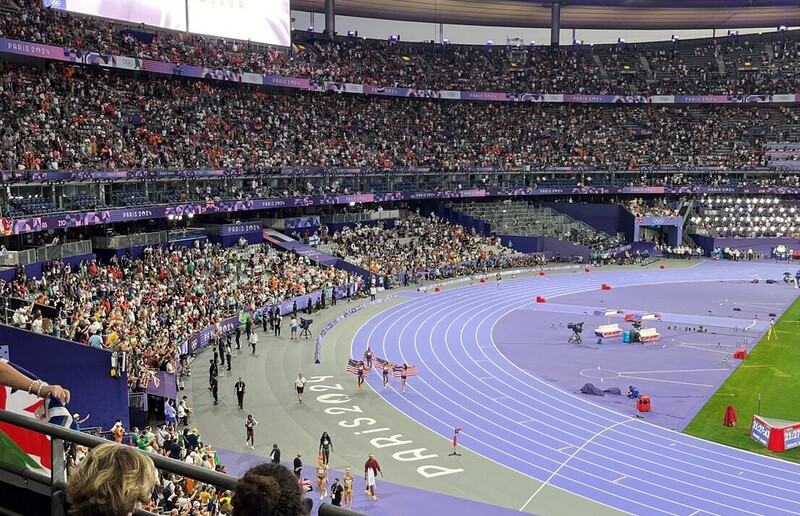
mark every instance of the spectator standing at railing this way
{"type": "Point", "coordinates": [118, 431]}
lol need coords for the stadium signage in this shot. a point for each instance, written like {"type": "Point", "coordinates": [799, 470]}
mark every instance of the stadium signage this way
{"type": "Point", "coordinates": [239, 229]}
{"type": "Point", "coordinates": [126, 62]}
{"type": "Point", "coordinates": [136, 214]}
{"type": "Point", "coordinates": [25, 48]}
{"type": "Point", "coordinates": [791, 438]}
{"type": "Point", "coordinates": [22, 226]}
{"type": "Point", "coordinates": [760, 432]}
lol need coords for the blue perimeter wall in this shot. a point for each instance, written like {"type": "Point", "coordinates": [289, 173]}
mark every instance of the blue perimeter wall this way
{"type": "Point", "coordinates": [83, 370]}
{"type": "Point", "coordinates": [609, 218]}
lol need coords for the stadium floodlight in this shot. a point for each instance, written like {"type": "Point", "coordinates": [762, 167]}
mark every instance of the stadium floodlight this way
{"type": "Point", "coordinates": [533, 43]}
{"type": "Point", "coordinates": [310, 28]}
{"type": "Point", "coordinates": [621, 41]}
{"type": "Point", "coordinates": [445, 41]}
{"type": "Point", "coordinates": [782, 28]}
{"type": "Point", "coordinates": [489, 42]}
{"type": "Point", "coordinates": [733, 33]}
{"type": "Point", "coordinates": [675, 37]}
{"type": "Point", "coordinates": [351, 34]}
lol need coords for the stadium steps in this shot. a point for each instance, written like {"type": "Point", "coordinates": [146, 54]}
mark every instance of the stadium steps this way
{"type": "Point", "coordinates": [600, 66]}
{"type": "Point", "coordinates": [721, 66]}
{"type": "Point", "coordinates": [274, 236]}
{"type": "Point", "coordinates": [646, 66]}
{"type": "Point", "coordinates": [7, 8]}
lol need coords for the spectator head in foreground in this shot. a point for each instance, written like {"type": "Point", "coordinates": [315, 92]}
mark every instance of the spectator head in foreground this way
{"type": "Point", "coordinates": [110, 482]}
{"type": "Point", "coordinates": [269, 490]}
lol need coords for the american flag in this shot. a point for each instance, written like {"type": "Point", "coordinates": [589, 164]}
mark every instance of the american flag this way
{"type": "Point", "coordinates": [382, 363]}
{"type": "Point", "coordinates": [397, 371]}
{"type": "Point", "coordinates": [352, 367]}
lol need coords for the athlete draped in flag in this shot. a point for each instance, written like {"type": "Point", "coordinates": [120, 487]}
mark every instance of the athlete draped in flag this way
{"type": "Point", "coordinates": [403, 372]}
{"type": "Point", "coordinates": [385, 366]}
{"type": "Point", "coordinates": [359, 369]}
{"type": "Point", "coordinates": [23, 393]}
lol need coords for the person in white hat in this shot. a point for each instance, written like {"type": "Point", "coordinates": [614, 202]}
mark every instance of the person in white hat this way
{"type": "Point", "coordinates": [77, 421]}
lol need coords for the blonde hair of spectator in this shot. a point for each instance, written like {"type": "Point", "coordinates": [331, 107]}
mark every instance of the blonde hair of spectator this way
{"type": "Point", "coordinates": [110, 481]}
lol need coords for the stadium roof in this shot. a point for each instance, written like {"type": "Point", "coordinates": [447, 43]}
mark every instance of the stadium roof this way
{"type": "Point", "coordinates": [578, 14]}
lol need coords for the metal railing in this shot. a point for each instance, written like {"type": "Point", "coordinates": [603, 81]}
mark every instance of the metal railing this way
{"type": "Point", "coordinates": [46, 253]}
{"type": "Point", "coordinates": [57, 480]}
{"type": "Point", "coordinates": [362, 216]}
{"type": "Point", "coordinates": [56, 483]}
{"type": "Point", "coordinates": [128, 241]}
{"type": "Point", "coordinates": [138, 400]}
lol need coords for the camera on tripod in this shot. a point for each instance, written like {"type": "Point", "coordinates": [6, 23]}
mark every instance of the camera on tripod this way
{"type": "Point", "coordinates": [305, 327]}
{"type": "Point", "coordinates": [577, 329]}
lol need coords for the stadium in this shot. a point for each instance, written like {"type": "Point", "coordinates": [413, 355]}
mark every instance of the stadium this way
{"type": "Point", "coordinates": [415, 274]}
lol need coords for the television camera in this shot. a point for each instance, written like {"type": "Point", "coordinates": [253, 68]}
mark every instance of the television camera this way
{"type": "Point", "coordinates": [577, 329]}
{"type": "Point", "coordinates": [305, 327]}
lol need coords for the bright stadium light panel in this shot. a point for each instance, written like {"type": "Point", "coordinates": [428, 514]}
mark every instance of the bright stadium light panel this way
{"type": "Point", "coordinates": [164, 14]}
{"type": "Point", "coordinates": [262, 21]}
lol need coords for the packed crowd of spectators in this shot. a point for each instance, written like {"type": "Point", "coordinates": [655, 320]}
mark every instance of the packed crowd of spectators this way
{"type": "Point", "coordinates": [688, 68]}
{"type": "Point", "coordinates": [423, 247]}
{"type": "Point", "coordinates": [150, 305]}
{"type": "Point", "coordinates": [78, 118]}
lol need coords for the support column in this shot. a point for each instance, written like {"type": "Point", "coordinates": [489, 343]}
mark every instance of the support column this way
{"type": "Point", "coordinates": [330, 18]}
{"type": "Point", "coordinates": [555, 24]}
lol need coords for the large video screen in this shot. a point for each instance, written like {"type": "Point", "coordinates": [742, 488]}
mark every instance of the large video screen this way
{"type": "Point", "coordinates": [262, 21]}
{"type": "Point", "coordinates": [166, 14]}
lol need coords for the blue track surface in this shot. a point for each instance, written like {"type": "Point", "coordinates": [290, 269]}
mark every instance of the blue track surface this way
{"type": "Point", "coordinates": [521, 421]}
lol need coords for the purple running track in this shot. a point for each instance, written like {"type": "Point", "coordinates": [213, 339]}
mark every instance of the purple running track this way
{"type": "Point", "coordinates": [549, 434]}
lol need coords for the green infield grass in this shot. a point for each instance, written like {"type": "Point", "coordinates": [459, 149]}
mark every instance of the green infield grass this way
{"type": "Point", "coordinates": [772, 370]}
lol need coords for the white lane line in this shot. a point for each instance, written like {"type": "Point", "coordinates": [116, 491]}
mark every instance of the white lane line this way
{"type": "Point", "coordinates": [661, 380]}
{"type": "Point", "coordinates": [669, 371]}
{"type": "Point", "coordinates": [581, 447]}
